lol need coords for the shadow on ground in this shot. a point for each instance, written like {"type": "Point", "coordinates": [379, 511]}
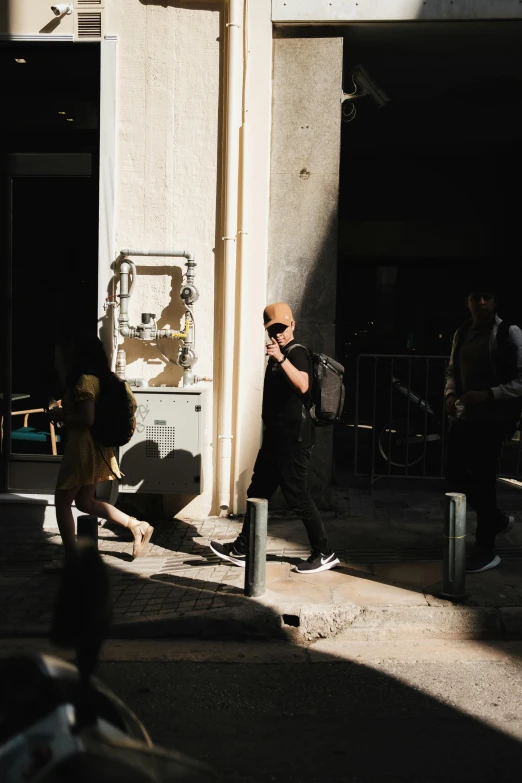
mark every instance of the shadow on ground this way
{"type": "Point", "coordinates": [328, 721]}
{"type": "Point", "coordinates": [391, 540]}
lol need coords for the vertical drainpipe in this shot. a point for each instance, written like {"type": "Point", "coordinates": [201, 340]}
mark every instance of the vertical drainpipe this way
{"type": "Point", "coordinates": [242, 251]}
{"type": "Point", "coordinates": [234, 72]}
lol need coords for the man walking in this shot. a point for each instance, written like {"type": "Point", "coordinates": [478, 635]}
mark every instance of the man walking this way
{"type": "Point", "coordinates": [288, 440]}
{"type": "Point", "coordinates": [483, 395]}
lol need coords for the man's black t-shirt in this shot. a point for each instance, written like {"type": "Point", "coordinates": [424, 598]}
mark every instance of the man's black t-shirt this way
{"type": "Point", "coordinates": [288, 424]}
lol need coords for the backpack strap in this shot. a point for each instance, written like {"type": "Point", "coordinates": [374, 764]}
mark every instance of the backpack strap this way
{"type": "Point", "coordinates": [301, 396]}
{"type": "Point", "coordinates": [503, 333]}
{"type": "Point", "coordinates": [460, 334]}
{"type": "Point", "coordinates": [118, 478]}
{"type": "Point", "coordinates": [505, 356]}
{"type": "Point", "coordinates": [297, 345]}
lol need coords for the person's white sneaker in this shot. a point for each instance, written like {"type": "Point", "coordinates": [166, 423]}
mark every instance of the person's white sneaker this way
{"type": "Point", "coordinates": [317, 562]}
{"type": "Point", "coordinates": [230, 552]}
{"type": "Point", "coordinates": [478, 562]}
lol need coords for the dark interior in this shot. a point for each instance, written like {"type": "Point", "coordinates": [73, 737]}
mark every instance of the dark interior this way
{"type": "Point", "coordinates": [428, 187]}
{"type": "Point", "coordinates": [50, 99]}
{"type": "Point", "coordinates": [429, 182]}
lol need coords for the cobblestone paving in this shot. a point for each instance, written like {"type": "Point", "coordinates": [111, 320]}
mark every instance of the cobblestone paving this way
{"type": "Point", "coordinates": [168, 578]}
{"type": "Point", "coordinates": [179, 573]}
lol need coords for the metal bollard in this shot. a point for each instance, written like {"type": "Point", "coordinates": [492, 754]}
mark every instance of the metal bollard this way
{"type": "Point", "coordinates": [454, 567]}
{"type": "Point", "coordinates": [87, 527]}
{"type": "Point", "coordinates": [257, 513]}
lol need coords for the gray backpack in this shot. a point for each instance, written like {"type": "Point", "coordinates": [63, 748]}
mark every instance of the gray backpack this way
{"type": "Point", "coordinates": [327, 388]}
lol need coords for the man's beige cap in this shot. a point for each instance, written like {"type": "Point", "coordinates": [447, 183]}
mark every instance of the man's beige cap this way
{"type": "Point", "coordinates": [278, 313]}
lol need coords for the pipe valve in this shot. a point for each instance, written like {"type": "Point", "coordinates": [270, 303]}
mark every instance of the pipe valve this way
{"type": "Point", "coordinates": [189, 293]}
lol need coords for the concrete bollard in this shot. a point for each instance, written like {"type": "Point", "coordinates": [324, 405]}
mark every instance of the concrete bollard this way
{"type": "Point", "coordinates": [257, 514]}
{"type": "Point", "coordinates": [454, 567]}
{"type": "Point", "coordinates": [87, 527]}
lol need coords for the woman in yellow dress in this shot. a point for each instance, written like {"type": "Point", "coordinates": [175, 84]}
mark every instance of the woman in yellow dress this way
{"type": "Point", "coordinates": [85, 460]}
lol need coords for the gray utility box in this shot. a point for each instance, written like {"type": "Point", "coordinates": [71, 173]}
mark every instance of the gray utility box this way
{"type": "Point", "coordinates": [164, 454]}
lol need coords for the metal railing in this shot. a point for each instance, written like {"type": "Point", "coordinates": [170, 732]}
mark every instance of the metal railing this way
{"type": "Point", "coordinates": [400, 424]}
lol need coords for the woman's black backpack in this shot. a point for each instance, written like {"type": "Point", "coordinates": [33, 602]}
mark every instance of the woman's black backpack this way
{"type": "Point", "coordinates": [114, 420]}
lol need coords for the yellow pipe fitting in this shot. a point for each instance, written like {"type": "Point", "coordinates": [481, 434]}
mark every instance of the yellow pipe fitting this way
{"type": "Point", "coordinates": [185, 334]}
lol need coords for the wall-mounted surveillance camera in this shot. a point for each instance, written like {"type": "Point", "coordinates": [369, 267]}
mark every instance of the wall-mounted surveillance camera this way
{"type": "Point", "coordinates": [362, 79]}
{"type": "Point", "coordinates": [365, 87]}
{"type": "Point", "coordinates": [61, 9]}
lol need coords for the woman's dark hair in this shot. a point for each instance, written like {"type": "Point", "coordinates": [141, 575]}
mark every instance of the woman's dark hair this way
{"type": "Point", "coordinates": [85, 355]}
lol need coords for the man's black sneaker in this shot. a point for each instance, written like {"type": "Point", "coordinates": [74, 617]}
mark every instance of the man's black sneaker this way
{"type": "Point", "coordinates": [229, 552]}
{"type": "Point", "coordinates": [478, 561]}
{"type": "Point", "coordinates": [509, 524]}
{"type": "Point", "coordinates": [317, 562]}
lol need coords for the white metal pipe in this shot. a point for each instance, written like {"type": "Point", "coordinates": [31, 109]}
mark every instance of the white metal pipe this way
{"type": "Point", "coordinates": [127, 266]}
{"type": "Point", "coordinates": [243, 251]}
{"type": "Point", "coordinates": [243, 292]}
{"type": "Point", "coordinates": [121, 364]}
{"type": "Point", "coordinates": [134, 275]}
{"type": "Point", "coordinates": [160, 253]}
{"type": "Point", "coordinates": [234, 72]}
{"type": "Point", "coordinates": [115, 339]}
{"type": "Point", "coordinates": [125, 269]}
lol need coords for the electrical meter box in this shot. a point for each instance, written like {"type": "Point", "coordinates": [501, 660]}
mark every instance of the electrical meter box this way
{"type": "Point", "coordinates": [164, 455]}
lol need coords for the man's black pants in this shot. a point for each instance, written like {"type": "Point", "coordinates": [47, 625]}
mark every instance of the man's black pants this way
{"type": "Point", "coordinates": [288, 470]}
{"type": "Point", "coordinates": [472, 463]}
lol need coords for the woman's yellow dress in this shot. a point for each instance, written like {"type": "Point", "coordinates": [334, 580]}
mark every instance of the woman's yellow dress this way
{"type": "Point", "coordinates": [85, 461]}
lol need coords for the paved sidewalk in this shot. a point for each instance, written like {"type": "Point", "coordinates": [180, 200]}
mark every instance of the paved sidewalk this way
{"type": "Point", "coordinates": [388, 583]}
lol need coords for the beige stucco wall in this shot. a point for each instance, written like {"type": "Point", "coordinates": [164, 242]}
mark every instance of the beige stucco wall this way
{"type": "Point", "coordinates": [31, 17]}
{"type": "Point", "coordinates": [167, 172]}
{"type": "Point", "coordinates": [168, 194]}
{"type": "Point", "coordinates": [167, 166]}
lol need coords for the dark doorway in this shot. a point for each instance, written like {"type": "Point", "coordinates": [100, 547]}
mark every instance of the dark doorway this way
{"type": "Point", "coordinates": [54, 283]}
{"type": "Point", "coordinates": [427, 188]}
{"type": "Point", "coordinates": [49, 136]}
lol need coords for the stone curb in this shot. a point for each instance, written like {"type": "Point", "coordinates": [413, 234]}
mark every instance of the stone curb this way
{"type": "Point", "coordinates": [387, 622]}
{"type": "Point", "coordinates": [310, 622]}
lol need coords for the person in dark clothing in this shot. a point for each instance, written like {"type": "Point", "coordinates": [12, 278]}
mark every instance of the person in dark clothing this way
{"type": "Point", "coordinates": [288, 440]}
{"type": "Point", "coordinates": [483, 395]}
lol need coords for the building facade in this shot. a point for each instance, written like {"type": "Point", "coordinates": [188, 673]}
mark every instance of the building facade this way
{"type": "Point", "coordinates": [218, 132]}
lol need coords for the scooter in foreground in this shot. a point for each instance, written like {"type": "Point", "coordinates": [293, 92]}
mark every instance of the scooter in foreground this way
{"type": "Point", "coordinates": [58, 723]}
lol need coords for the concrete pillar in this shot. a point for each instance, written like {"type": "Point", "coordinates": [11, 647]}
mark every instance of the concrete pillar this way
{"type": "Point", "coordinates": [302, 262]}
